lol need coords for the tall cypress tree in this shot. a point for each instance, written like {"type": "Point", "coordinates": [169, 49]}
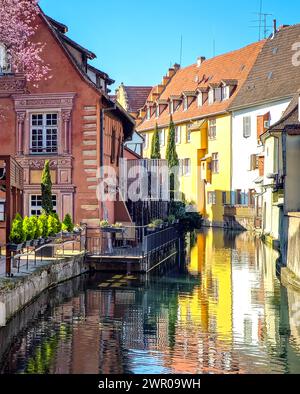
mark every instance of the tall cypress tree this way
{"type": "Point", "coordinates": [172, 157]}
{"type": "Point", "coordinates": [155, 146]}
{"type": "Point", "coordinates": [171, 154]}
{"type": "Point", "coordinates": [46, 187]}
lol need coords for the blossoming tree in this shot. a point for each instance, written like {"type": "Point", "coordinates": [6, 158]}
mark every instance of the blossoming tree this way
{"type": "Point", "coordinates": [17, 28]}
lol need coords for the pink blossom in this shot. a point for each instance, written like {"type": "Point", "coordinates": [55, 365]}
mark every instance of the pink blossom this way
{"type": "Point", "coordinates": [17, 26]}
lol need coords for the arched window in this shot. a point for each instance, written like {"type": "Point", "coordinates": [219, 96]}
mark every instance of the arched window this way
{"type": "Point", "coordinates": [4, 64]}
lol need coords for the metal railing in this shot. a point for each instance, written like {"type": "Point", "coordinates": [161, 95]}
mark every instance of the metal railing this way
{"type": "Point", "coordinates": [58, 248]}
{"type": "Point", "coordinates": [133, 241]}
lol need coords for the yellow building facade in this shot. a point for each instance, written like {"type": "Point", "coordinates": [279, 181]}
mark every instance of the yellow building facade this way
{"type": "Point", "coordinates": [197, 98]}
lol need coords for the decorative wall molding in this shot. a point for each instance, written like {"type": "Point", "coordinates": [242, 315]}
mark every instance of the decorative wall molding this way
{"type": "Point", "coordinates": [12, 84]}
{"type": "Point", "coordinates": [38, 163]}
{"type": "Point", "coordinates": [63, 101]}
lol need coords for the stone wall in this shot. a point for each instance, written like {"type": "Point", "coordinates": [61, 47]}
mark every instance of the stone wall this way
{"type": "Point", "coordinates": [292, 273]}
{"type": "Point", "coordinates": [16, 295]}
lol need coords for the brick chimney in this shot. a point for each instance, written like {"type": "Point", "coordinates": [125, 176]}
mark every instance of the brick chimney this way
{"type": "Point", "coordinates": [200, 60]}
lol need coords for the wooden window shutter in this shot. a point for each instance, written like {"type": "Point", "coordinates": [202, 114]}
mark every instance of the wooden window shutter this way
{"type": "Point", "coordinates": [267, 118]}
{"type": "Point", "coordinates": [260, 127]}
{"type": "Point", "coordinates": [261, 165]}
{"type": "Point", "coordinates": [253, 162]}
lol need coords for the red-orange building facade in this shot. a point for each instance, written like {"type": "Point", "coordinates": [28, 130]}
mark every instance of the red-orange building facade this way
{"type": "Point", "coordinates": [68, 119]}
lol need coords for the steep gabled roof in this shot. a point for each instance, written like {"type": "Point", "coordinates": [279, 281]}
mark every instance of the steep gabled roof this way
{"type": "Point", "coordinates": [290, 116]}
{"type": "Point", "coordinates": [274, 76]}
{"type": "Point", "coordinates": [233, 67]}
{"type": "Point", "coordinates": [127, 120]}
{"type": "Point", "coordinates": [136, 96]}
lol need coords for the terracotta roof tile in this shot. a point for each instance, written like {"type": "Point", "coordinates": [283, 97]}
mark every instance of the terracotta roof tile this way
{"type": "Point", "coordinates": [137, 96]}
{"type": "Point", "coordinates": [234, 66]}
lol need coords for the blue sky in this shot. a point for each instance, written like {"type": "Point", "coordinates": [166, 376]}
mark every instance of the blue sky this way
{"type": "Point", "coordinates": [136, 41]}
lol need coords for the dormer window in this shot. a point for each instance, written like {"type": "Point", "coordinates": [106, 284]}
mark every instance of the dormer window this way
{"type": "Point", "coordinates": [4, 63]}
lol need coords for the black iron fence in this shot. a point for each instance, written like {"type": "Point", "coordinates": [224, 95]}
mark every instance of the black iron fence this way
{"type": "Point", "coordinates": [59, 247]}
{"type": "Point", "coordinates": [130, 241]}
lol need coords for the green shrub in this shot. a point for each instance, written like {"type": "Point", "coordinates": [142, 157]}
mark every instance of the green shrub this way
{"type": "Point", "coordinates": [68, 224]}
{"type": "Point", "coordinates": [16, 233]}
{"type": "Point", "coordinates": [58, 222]}
{"type": "Point", "coordinates": [43, 225]}
{"type": "Point", "coordinates": [28, 229]}
{"type": "Point", "coordinates": [52, 226]}
{"type": "Point", "coordinates": [189, 221]}
{"type": "Point", "coordinates": [37, 230]}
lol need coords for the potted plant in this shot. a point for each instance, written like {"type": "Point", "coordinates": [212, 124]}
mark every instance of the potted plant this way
{"type": "Point", "coordinates": [67, 225]}
{"type": "Point", "coordinates": [16, 237]}
{"type": "Point", "coordinates": [151, 227]}
{"type": "Point", "coordinates": [43, 228]}
{"type": "Point", "coordinates": [36, 230]}
{"type": "Point", "coordinates": [159, 223]}
{"type": "Point", "coordinates": [29, 231]}
{"type": "Point", "coordinates": [118, 227]}
{"type": "Point", "coordinates": [106, 227]}
{"type": "Point", "coordinates": [52, 226]}
{"type": "Point", "coordinates": [171, 219]}
{"type": "Point", "coordinates": [77, 229]}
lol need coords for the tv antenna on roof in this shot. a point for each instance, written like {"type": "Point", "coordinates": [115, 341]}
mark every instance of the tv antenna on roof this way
{"type": "Point", "coordinates": [263, 26]}
{"type": "Point", "coordinates": [181, 48]}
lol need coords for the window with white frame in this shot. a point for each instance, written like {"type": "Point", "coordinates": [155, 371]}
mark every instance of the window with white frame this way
{"type": "Point", "coordinates": [177, 135]}
{"type": "Point", "coordinates": [188, 135]}
{"type": "Point", "coordinates": [4, 62]}
{"type": "Point", "coordinates": [215, 163]}
{"type": "Point", "coordinates": [218, 94]}
{"type": "Point", "coordinates": [187, 167]}
{"type": "Point", "coordinates": [145, 144]}
{"type": "Point", "coordinates": [2, 211]}
{"type": "Point", "coordinates": [35, 207]}
{"type": "Point", "coordinates": [211, 96]}
{"type": "Point", "coordinates": [225, 93]}
{"type": "Point", "coordinates": [211, 198]}
{"type": "Point", "coordinates": [43, 133]}
{"type": "Point", "coordinates": [148, 113]}
{"type": "Point", "coordinates": [212, 129]}
{"type": "Point", "coordinates": [162, 137]}
{"type": "Point", "coordinates": [247, 126]}
{"type": "Point", "coordinates": [185, 104]}
{"type": "Point", "coordinates": [157, 111]}
{"type": "Point", "coordinates": [181, 172]}
{"type": "Point", "coordinates": [171, 107]}
{"type": "Point", "coordinates": [200, 99]}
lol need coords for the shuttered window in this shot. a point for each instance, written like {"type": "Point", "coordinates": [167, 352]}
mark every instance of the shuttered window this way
{"type": "Point", "coordinates": [247, 126]}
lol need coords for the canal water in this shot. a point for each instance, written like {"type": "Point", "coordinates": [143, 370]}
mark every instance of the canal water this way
{"type": "Point", "coordinates": [221, 309]}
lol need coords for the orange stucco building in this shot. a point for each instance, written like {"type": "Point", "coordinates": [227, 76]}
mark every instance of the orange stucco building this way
{"type": "Point", "coordinates": [68, 119]}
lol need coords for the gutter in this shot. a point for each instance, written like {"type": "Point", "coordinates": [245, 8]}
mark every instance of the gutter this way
{"type": "Point", "coordinates": [257, 103]}
{"type": "Point", "coordinates": [225, 112]}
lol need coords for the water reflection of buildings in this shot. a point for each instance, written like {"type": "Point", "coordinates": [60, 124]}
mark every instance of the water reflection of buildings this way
{"type": "Point", "coordinates": [228, 314]}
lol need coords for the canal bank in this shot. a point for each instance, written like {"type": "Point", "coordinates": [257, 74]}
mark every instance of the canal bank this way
{"type": "Point", "coordinates": [16, 293]}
